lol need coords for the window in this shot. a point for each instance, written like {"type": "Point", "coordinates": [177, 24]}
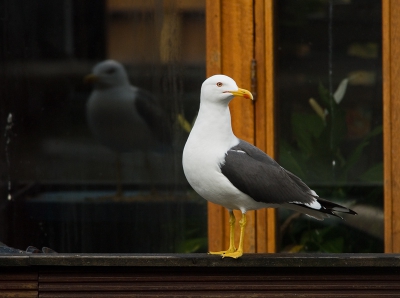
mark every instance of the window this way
{"type": "Point", "coordinates": [300, 52]}
{"type": "Point", "coordinates": [58, 180]}
{"type": "Point", "coordinates": [329, 119]}
{"type": "Point", "coordinates": [59, 174]}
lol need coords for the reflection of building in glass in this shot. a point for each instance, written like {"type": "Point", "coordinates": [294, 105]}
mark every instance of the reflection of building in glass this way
{"type": "Point", "coordinates": [138, 32]}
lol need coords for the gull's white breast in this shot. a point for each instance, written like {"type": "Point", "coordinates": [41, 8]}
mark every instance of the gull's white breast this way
{"type": "Point", "coordinates": [204, 153]}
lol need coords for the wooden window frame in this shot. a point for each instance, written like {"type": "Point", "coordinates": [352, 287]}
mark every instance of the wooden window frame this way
{"type": "Point", "coordinates": [251, 36]}
{"type": "Point", "coordinates": [391, 122]}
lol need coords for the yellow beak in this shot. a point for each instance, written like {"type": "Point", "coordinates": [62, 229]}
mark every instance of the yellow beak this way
{"type": "Point", "coordinates": [90, 78]}
{"type": "Point", "coordinates": [242, 93]}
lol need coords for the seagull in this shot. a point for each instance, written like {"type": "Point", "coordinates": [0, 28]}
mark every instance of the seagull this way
{"type": "Point", "coordinates": [228, 171]}
{"type": "Point", "coordinates": [123, 117]}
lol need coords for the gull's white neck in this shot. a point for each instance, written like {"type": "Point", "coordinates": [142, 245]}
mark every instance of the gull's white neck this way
{"type": "Point", "coordinates": [213, 125]}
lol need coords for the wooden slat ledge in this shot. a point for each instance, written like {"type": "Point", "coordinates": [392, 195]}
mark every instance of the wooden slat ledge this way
{"type": "Point", "coordinates": [14, 260]}
{"type": "Point", "coordinates": [203, 260]}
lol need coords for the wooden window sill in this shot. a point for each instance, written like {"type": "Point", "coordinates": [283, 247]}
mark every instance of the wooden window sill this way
{"type": "Point", "coordinates": [199, 275]}
{"type": "Point", "coordinates": [202, 260]}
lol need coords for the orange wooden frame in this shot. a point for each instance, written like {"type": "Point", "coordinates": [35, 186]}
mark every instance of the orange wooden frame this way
{"type": "Point", "coordinates": [238, 32]}
{"type": "Point", "coordinates": [391, 122]}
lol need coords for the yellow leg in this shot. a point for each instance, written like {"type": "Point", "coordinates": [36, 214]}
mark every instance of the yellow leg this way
{"type": "Point", "coordinates": [239, 252]}
{"type": "Point", "coordinates": [232, 247]}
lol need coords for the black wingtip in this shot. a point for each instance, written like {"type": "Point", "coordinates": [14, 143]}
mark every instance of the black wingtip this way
{"type": "Point", "coordinates": [343, 210]}
{"type": "Point", "coordinates": [332, 208]}
{"type": "Point", "coordinates": [329, 208]}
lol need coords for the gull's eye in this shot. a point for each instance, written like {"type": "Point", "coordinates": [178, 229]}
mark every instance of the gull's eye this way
{"type": "Point", "coordinates": [219, 84]}
{"type": "Point", "coordinates": [110, 71]}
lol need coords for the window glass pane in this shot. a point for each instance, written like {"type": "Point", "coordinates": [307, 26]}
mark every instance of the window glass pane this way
{"type": "Point", "coordinates": [65, 159]}
{"type": "Point", "coordinates": [330, 119]}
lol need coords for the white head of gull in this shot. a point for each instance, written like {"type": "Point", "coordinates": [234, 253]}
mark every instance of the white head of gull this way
{"type": "Point", "coordinates": [228, 171]}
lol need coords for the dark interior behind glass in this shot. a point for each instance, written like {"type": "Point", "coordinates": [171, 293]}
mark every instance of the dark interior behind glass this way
{"type": "Point", "coordinates": [57, 181]}
{"type": "Point", "coordinates": [329, 82]}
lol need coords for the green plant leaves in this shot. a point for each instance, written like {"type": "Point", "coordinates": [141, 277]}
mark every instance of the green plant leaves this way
{"type": "Point", "coordinates": [315, 155]}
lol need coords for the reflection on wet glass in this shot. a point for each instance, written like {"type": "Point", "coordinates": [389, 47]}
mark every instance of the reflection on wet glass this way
{"type": "Point", "coordinates": [123, 117]}
{"type": "Point", "coordinates": [97, 167]}
{"type": "Point", "coordinates": [330, 123]}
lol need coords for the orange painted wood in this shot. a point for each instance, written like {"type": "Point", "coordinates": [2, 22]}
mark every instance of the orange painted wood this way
{"type": "Point", "coordinates": [237, 53]}
{"type": "Point", "coordinates": [237, 33]}
{"type": "Point", "coordinates": [387, 125]}
{"type": "Point", "coordinates": [270, 110]}
{"type": "Point", "coordinates": [216, 213]}
{"type": "Point", "coordinates": [264, 111]}
{"type": "Point", "coordinates": [259, 113]}
{"type": "Point", "coordinates": [229, 26]}
{"type": "Point", "coordinates": [391, 122]}
{"type": "Point", "coordinates": [394, 107]}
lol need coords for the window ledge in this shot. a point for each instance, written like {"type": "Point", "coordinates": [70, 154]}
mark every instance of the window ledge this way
{"type": "Point", "coordinates": [201, 260]}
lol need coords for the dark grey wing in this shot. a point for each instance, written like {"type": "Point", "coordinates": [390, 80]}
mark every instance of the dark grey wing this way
{"type": "Point", "coordinates": [154, 116]}
{"type": "Point", "coordinates": [256, 174]}
{"type": "Point", "coordinates": [259, 176]}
